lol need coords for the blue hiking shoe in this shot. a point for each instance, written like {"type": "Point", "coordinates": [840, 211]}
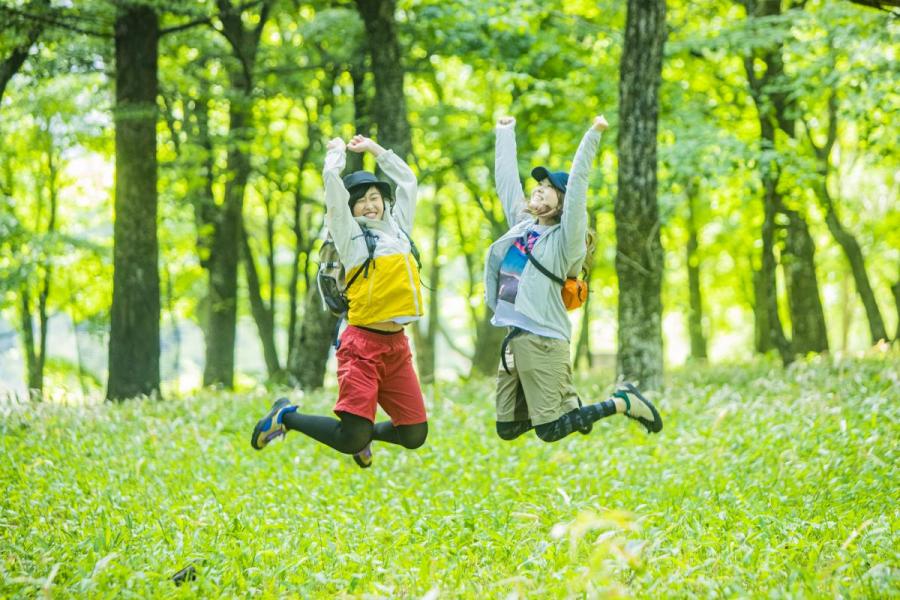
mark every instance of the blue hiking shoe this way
{"type": "Point", "coordinates": [364, 457]}
{"type": "Point", "coordinates": [270, 426]}
{"type": "Point", "coordinates": [639, 408]}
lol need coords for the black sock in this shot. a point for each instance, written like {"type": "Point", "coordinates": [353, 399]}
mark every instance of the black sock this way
{"type": "Point", "coordinates": [510, 430]}
{"type": "Point", "coordinates": [408, 436]}
{"type": "Point", "coordinates": [349, 435]}
{"type": "Point", "coordinates": [580, 419]}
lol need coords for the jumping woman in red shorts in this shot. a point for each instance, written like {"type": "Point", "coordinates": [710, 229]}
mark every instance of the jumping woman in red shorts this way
{"type": "Point", "coordinates": [374, 361]}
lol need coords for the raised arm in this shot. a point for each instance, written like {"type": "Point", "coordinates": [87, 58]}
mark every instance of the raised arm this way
{"type": "Point", "coordinates": [506, 172]}
{"type": "Point", "coordinates": [397, 171]}
{"type": "Point", "coordinates": [338, 216]}
{"type": "Point", "coordinates": [574, 216]}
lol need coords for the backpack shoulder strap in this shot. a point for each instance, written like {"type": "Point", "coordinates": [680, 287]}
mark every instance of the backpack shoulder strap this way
{"type": "Point", "coordinates": [412, 248]}
{"type": "Point", "coordinates": [371, 242]}
{"type": "Point", "coordinates": [541, 267]}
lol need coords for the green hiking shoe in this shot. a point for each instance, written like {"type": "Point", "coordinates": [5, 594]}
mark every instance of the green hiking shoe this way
{"type": "Point", "coordinates": [640, 409]}
{"type": "Point", "coordinates": [270, 426]}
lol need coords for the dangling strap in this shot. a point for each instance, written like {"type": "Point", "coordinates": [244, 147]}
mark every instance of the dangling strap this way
{"type": "Point", "coordinates": [513, 332]}
{"type": "Point", "coordinates": [335, 339]}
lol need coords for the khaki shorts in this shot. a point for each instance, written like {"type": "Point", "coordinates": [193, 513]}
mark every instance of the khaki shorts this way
{"type": "Point", "coordinates": [539, 385]}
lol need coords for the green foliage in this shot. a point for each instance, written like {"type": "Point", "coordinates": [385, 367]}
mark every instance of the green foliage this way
{"type": "Point", "coordinates": [551, 64]}
{"type": "Point", "coordinates": [764, 483]}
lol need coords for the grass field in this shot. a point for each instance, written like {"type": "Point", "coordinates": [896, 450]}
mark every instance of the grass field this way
{"type": "Point", "coordinates": [764, 483]}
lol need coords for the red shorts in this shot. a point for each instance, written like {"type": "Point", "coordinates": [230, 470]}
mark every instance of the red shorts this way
{"type": "Point", "coordinates": [373, 369]}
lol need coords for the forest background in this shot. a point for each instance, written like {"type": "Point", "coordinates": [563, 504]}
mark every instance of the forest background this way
{"type": "Point", "coordinates": [772, 227]}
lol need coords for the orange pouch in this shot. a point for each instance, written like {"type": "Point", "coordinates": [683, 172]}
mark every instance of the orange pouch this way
{"type": "Point", "coordinates": [574, 293]}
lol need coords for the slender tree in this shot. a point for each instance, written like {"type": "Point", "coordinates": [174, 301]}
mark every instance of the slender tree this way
{"type": "Point", "coordinates": [695, 310]}
{"type": "Point", "coordinates": [639, 255]}
{"type": "Point", "coordinates": [845, 239]}
{"type": "Point", "coordinates": [228, 219]}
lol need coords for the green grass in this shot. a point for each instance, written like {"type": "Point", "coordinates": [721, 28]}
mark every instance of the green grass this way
{"type": "Point", "coordinates": [764, 483]}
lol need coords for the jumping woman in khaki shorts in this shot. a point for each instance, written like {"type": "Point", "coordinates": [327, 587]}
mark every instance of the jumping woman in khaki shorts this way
{"type": "Point", "coordinates": [534, 383]}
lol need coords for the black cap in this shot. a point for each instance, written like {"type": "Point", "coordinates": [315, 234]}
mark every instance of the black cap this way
{"type": "Point", "coordinates": [559, 179]}
{"type": "Point", "coordinates": [358, 182]}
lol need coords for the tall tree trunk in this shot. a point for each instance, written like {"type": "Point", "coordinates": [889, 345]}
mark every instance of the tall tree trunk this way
{"type": "Point", "coordinates": [583, 346]}
{"type": "Point", "coordinates": [44, 294]}
{"type": "Point", "coordinates": [798, 261]}
{"type": "Point", "coordinates": [695, 311]}
{"type": "Point", "coordinates": [389, 112]}
{"type": "Point", "coordinates": [853, 252]}
{"type": "Point", "coordinates": [361, 112]}
{"type": "Point", "coordinates": [639, 255]}
{"type": "Point", "coordinates": [425, 332]}
{"type": "Point", "coordinates": [844, 238]}
{"type": "Point", "coordinates": [770, 333]}
{"type": "Point", "coordinates": [225, 253]}
{"type": "Point", "coordinates": [488, 339]}
{"type": "Point", "coordinates": [33, 375]}
{"type": "Point", "coordinates": [262, 314]}
{"type": "Point", "coordinates": [770, 105]}
{"type": "Point", "coordinates": [134, 345]}
{"type": "Point", "coordinates": [896, 291]}
{"type": "Point", "coordinates": [313, 344]}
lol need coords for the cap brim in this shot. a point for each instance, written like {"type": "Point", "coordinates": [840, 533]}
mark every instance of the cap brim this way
{"type": "Point", "coordinates": [540, 173]}
{"type": "Point", "coordinates": [383, 187]}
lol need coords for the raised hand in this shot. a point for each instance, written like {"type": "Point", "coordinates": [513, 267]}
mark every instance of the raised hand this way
{"type": "Point", "coordinates": [335, 144]}
{"type": "Point", "coordinates": [504, 121]}
{"type": "Point", "coordinates": [600, 123]}
{"type": "Point", "coordinates": [360, 143]}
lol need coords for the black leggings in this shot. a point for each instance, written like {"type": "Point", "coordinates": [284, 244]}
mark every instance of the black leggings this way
{"type": "Point", "coordinates": [351, 433]}
{"type": "Point", "coordinates": [581, 420]}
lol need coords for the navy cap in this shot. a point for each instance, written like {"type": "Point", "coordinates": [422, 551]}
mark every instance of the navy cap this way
{"type": "Point", "coordinates": [559, 179]}
{"type": "Point", "coordinates": [358, 182]}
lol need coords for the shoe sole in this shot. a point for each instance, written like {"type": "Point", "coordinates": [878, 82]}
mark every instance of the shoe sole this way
{"type": "Point", "coordinates": [657, 424]}
{"type": "Point", "coordinates": [265, 423]}
{"type": "Point", "coordinates": [359, 461]}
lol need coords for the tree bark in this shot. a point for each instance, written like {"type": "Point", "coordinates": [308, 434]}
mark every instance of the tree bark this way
{"type": "Point", "coordinates": [226, 239]}
{"type": "Point", "coordinates": [844, 238]}
{"type": "Point", "coordinates": [313, 344]}
{"type": "Point", "coordinates": [896, 291]}
{"type": "Point", "coordinates": [488, 339]}
{"type": "Point", "coordinates": [808, 332]}
{"type": "Point", "coordinates": [769, 333]}
{"type": "Point", "coordinates": [19, 54]}
{"type": "Point", "coordinates": [583, 346]}
{"type": "Point", "coordinates": [639, 255]}
{"type": "Point", "coordinates": [134, 345]}
{"type": "Point", "coordinates": [263, 315]}
{"type": "Point", "coordinates": [361, 112]}
{"type": "Point", "coordinates": [34, 377]}
{"type": "Point", "coordinates": [695, 311]}
{"type": "Point", "coordinates": [853, 252]}
{"type": "Point", "coordinates": [426, 336]}
{"type": "Point", "coordinates": [389, 112]}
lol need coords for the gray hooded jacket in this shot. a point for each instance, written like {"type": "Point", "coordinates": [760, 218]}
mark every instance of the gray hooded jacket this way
{"type": "Point", "coordinates": [560, 248]}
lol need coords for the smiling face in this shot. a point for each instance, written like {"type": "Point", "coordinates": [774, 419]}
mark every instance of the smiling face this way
{"type": "Point", "coordinates": [544, 200]}
{"type": "Point", "coordinates": [371, 205]}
